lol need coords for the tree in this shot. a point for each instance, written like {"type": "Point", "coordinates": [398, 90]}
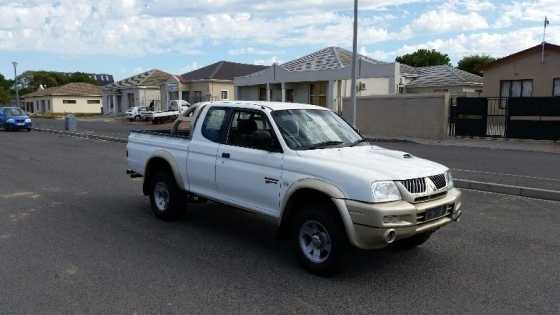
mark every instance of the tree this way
{"type": "Point", "coordinates": [423, 58]}
{"type": "Point", "coordinates": [51, 79]}
{"type": "Point", "coordinates": [5, 86]}
{"type": "Point", "coordinates": [475, 63]}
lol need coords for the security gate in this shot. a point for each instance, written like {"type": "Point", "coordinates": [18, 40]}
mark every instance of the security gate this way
{"type": "Point", "coordinates": [514, 117]}
{"type": "Point", "coordinates": [469, 116]}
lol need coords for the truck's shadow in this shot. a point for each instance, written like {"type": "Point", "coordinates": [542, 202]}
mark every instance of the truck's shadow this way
{"type": "Point", "coordinates": [227, 229]}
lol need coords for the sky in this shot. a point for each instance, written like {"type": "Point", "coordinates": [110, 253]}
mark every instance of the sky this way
{"type": "Point", "coordinates": [126, 37]}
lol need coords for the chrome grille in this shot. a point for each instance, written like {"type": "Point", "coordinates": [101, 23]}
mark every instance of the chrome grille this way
{"type": "Point", "coordinates": [415, 185]}
{"type": "Point", "coordinates": [438, 180]}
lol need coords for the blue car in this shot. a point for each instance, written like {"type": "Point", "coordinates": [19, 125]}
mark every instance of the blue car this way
{"type": "Point", "coordinates": [13, 118]}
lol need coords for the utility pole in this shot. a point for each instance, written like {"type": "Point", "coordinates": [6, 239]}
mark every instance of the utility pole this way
{"type": "Point", "coordinates": [16, 83]}
{"type": "Point", "coordinates": [354, 63]}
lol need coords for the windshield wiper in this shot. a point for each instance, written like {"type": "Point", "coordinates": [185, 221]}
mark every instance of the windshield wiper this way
{"type": "Point", "coordinates": [358, 142]}
{"type": "Point", "coordinates": [323, 144]}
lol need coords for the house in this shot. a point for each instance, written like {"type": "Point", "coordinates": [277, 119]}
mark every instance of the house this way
{"type": "Point", "coordinates": [68, 98]}
{"type": "Point", "coordinates": [320, 78]}
{"type": "Point", "coordinates": [140, 90]}
{"type": "Point", "coordinates": [324, 78]}
{"type": "Point", "coordinates": [213, 82]}
{"type": "Point", "coordinates": [440, 79]}
{"type": "Point", "coordinates": [525, 73]}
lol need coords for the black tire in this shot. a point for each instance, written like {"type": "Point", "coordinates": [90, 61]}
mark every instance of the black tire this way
{"type": "Point", "coordinates": [414, 241]}
{"type": "Point", "coordinates": [325, 215]}
{"type": "Point", "coordinates": [163, 183]}
{"type": "Point", "coordinates": [28, 129]}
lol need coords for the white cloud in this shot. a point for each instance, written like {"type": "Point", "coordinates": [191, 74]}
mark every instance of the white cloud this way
{"type": "Point", "coordinates": [250, 51]}
{"type": "Point", "coordinates": [444, 20]}
{"type": "Point", "coordinates": [533, 11]}
{"type": "Point", "coordinates": [268, 62]}
{"type": "Point", "coordinates": [494, 44]}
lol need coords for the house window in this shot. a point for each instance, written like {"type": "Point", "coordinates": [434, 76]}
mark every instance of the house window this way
{"type": "Point", "coordinates": [224, 95]}
{"type": "Point", "coordinates": [318, 93]}
{"type": "Point", "coordinates": [93, 102]}
{"type": "Point", "coordinates": [516, 88]}
{"type": "Point", "coordinates": [556, 87]}
{"type": "Point", "coordinates": [68, 101]}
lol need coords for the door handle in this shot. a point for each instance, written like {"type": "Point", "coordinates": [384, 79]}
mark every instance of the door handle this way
{"type": "Point", "coordinates": [225, 155]}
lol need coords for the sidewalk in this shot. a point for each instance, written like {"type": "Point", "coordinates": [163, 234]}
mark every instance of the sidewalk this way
{"type": "Point", "coordinates": [547, 146]}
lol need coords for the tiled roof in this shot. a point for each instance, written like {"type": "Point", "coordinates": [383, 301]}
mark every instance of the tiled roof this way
{"type": "Point", "coordinates": [222, 70]}
{"type": "Point", "coordinates": [330, 58]}
{"type": "Point", "coordinates": [440, 76]}
{"type": "Point", "coordinates": [70, 89]}
{"type": "Point", "coordinates": [149, 78]}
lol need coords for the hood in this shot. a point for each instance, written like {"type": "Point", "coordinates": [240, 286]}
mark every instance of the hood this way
{"type": "Point", "coordinates": [390, 164]}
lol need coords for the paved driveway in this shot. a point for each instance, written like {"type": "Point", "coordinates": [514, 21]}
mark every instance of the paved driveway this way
{"type": "Point", "coordinates": [77, 236]}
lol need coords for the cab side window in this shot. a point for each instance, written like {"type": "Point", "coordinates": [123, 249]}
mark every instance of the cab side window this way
{"type": "Point", "coordinates": [252, 129]}
{"type": "Point", "coordinates": [215, 124]}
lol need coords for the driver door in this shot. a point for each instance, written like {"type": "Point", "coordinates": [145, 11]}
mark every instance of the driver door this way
{"type": "Point", "coordinates": [249, 163]}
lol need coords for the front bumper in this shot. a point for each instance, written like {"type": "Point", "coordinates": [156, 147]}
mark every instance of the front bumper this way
{"type": "Point", "coordinates": [17, 125]}
{"type": "Point", "coordinates": [369, 229]}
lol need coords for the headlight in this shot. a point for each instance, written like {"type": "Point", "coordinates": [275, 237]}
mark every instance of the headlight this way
{"type": "Point", "coordinates": [27, 120]}
{"type": "Point", "coordinates": [10, 121]}
{"type": "Point", "coordinates": [449, 179]}
{"type": "Point", "coordinates": [385, 192]}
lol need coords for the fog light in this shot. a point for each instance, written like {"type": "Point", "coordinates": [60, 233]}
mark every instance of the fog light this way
{"type": "Point", "coordinates": [390, 236]}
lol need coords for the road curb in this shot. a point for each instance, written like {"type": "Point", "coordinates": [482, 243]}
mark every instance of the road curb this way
{"type": "Point", "coordinates": [509, 189]}
{"type": "Point", "coordinates": [82, 135]}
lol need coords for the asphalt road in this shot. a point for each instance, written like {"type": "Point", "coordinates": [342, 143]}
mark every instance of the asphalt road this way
{"type": "Point", "coordinates": [77, 236]}
{"type": "Point", "coordinates": [511, 167]}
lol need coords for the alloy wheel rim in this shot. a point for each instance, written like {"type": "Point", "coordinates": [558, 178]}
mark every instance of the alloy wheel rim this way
{"type": "Point", "coordinates": [161, 196]}
{"type": "Point", "coordinates": [315, 241]}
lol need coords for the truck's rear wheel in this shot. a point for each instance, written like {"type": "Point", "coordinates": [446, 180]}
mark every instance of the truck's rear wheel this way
{"type": "Point", "coordinates": [166, 198]}
{"type": "Point", "coordinates": [319, 239]}
{"type": "Point", "coordinates": [414, 241]}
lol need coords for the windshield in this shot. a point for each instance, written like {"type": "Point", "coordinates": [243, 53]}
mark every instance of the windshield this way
{"type": "Point", "coordinates": [306, 129]}
{"type": "Point", "coordinates": [13, 112]}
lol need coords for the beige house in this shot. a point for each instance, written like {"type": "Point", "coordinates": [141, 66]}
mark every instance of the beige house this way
{"type": "Point", "coordinates": [213, 82]}
{"type": "Point", "coordinates": [140, 90]}
{"type": "Point", "coordinates": [69, 98]}
{"type": "Point", "coordinates": [525, 73]}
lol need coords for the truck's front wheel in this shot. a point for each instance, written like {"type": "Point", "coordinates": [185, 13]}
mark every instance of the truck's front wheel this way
{"type": "Point", "coordinates": [165, 197]}
{"type": "Point", "coordinates": [319, 240]}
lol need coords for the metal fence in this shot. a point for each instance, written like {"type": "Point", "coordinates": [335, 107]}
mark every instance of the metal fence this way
{"type": "Point", "coordinates": [516, 117]}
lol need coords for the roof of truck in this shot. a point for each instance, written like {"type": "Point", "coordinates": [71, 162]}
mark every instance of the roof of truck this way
{"type": "Point", "coordinates": [270, 105]}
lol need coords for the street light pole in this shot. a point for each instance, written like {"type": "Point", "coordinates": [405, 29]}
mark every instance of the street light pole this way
{"type": "Point", "coordinates": [16, 83]}
{"type": "Point", "coordinates": [354, 63]}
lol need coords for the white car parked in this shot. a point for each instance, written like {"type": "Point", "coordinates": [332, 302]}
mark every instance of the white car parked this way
{"type": "Point", "coordinates": [134, 113]}
{"type": "Point", "coordinates": [323, 184]}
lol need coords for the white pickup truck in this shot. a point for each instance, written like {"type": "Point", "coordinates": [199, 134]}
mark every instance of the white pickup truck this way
{"type": "Point", "coordinates": [302, 165]}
